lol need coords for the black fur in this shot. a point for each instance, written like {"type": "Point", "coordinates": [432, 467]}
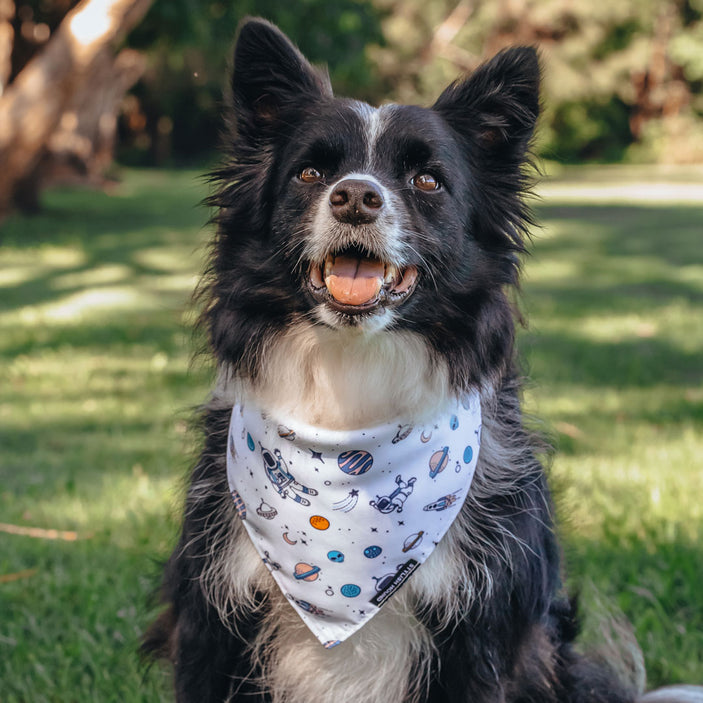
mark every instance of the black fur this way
{"type": "Point", "coordinates": [513, 642]}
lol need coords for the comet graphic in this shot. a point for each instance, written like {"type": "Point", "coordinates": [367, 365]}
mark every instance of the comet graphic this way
{"type": "Point", "coordinates": [347, 504]}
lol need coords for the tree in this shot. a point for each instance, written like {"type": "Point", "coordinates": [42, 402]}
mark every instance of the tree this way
{"type": "Point", "coordinates": [69, 91]}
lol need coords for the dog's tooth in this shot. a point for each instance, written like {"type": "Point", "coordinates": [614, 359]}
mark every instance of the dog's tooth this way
{"type": "Point", "coordinates": [391, 274]}
{"type": "Point", "coordinates": [328, 265]}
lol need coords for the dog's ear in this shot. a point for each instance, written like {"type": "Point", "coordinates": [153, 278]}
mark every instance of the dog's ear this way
{"type": "Point", "coordinates": [498, 105]}
{"type": "Point", "coordinates": [270, 77]}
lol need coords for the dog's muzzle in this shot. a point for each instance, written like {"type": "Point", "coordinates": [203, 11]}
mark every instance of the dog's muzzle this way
{"type": "Point", "coordinates": [352, 282]}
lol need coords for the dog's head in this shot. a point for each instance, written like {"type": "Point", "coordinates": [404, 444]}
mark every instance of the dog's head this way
{"type": "Point", "coordinates": [346, 215]}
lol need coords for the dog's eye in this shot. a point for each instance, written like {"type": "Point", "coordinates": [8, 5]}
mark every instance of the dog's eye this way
{"type": "Point", "coordinates": [310, 175]}
{"type": "Point", "coordinates": [425, 181]}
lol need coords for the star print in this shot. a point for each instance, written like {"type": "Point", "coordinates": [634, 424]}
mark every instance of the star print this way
{"type": "Point", "coordinates": [317, 455]}
{"type": "Point", "coordinates": [374, 529]}
{"type": "Point", "coordinates": [401, 522]}
{"type": "Point", "coordinates": [353, 493]}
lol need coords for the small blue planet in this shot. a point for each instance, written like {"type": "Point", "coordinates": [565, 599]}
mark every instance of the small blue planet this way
{"type": "Point", "coordinates": [355, 462]}
{"type": "Point", "coordinates": [468, 454]}
{"type": "Point", "coordinates": [335, 556]}
{"type": "Point", "coordinates": [350, 590]}
{"type": "Point", "coordinates": [372, 552]}
{"type": "Point", "coordinates": [250, 442]}
{"type": "Point", "coordinates": [454, 422]}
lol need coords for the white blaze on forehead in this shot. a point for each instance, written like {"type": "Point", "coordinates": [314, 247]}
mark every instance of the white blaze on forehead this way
{"type": "Point", "coordinates": [375, 120]}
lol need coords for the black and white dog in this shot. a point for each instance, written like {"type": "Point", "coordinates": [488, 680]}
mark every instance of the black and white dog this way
{"type": "Point", "coordinates": [362, 271]}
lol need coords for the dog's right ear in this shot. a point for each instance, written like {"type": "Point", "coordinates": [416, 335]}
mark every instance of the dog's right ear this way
{"type": "Point", "coordinates": [271, 78]}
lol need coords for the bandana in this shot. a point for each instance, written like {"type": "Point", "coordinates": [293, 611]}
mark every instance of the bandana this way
{"type": "Point", "coordinates": [343, 518]}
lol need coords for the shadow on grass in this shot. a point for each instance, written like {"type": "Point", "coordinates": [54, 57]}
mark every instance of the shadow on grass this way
{"type": "Point", "coordinates": [141, 242]}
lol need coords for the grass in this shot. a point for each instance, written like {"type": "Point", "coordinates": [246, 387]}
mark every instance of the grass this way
{"type": "Point", "coordinates": [95, 387]}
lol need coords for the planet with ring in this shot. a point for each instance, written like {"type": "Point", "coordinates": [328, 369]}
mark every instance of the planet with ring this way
{"type": "Point", "coordinates": [306, 572]}
{"type": "Point", "coordinates": [438, 461]}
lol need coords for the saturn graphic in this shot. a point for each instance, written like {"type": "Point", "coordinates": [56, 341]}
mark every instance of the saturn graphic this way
{"type": "Point", "coordinates": [402, 433]}
{"type": "Point", "coordinates": [266, 511]}
{"type": "Point", "coordinates": [306, 572]}
{"type": "Point", "coordinates": [413, 541]}
{"type": "Point", "coordinates": [286, 433]}
{"type": "Point", "coordinates": [439, 461]}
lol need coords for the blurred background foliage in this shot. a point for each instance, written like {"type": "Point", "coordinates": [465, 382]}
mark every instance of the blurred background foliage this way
{"type": "Point", "coordinates": [623, 79]}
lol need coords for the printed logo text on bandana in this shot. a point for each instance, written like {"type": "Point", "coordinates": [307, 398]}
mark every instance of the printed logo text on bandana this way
{"type": "Point", "coordinates": [343, 519]}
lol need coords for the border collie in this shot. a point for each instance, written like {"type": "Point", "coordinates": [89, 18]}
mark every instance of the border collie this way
{"type": "Point", "coordinates": [361, 277]}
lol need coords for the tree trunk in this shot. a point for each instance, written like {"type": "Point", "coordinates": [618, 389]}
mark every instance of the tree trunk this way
{"type": "Point", "coordinates": [7, 35]}
{"type": "Point", "coordinates": [32, 107]}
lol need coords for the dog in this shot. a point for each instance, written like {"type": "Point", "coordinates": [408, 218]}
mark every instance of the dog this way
{"type": "Point", "coordinates": [362, 273]}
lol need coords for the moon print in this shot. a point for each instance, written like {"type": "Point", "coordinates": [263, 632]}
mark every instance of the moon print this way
{"type": "Point", "coordinates": [288, 540]}
{"type": "Point", "coordinates": [425, 438]}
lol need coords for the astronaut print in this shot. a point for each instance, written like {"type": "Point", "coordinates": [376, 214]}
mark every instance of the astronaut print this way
{"type": "Point", "coordinates": [343, 519]}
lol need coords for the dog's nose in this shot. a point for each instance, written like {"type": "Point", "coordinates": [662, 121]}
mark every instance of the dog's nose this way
{"type": "Point", "coordinates": [356, 201]}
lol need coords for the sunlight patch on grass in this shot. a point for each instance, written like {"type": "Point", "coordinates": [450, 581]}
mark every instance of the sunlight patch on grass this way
{"type": "Point", "coordinates": [87, 305]}
{"type": "Point", "coordinates": [97, 276]}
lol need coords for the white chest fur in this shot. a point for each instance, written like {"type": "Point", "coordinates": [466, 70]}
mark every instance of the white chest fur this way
{"type": "Point", "coordinates": [340, 379]}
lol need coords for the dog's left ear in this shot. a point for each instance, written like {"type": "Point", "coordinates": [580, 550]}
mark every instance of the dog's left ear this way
{"type": "Point", "coordinates": [270, 77]}
{"type": "Point", "coordinates": [498, 105]}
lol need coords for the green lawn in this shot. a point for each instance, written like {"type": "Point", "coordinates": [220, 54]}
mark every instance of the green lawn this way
{"type": "Point", "coordinates": [96, 385]}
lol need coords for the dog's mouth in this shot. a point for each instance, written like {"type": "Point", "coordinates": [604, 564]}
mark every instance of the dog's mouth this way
{"type": "Point", "coordinates": [353, 282]}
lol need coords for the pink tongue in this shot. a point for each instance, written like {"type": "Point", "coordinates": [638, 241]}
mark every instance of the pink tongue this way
{"type": "Point", "coordinates": [354, 281]}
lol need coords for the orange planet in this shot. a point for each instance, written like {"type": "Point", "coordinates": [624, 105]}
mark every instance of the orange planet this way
{"type": "Point", "coordinates": [306, 572]}
{"type": "Point", "coordinates": [319, 522]}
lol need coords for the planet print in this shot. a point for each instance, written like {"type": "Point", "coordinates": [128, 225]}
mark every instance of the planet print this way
{"type": "Point", "coordinates": [266, 511]}
{"type": "Point", "coordinates": [250, 442]}
{"type": "Point", "coordinates": [438, 461]}
{"type": "Point", "coordinates": [468, 454]}
{"type": "Point", "coordinates": [306, 572]}
{"type": "Point", "coordinates": [239, 505]}
{"type": "Point", "coordinates": [454, 422]}
{"type": "Point", "coordinates": [355, 462]}
{"type": "Point", "coordinates": [413, 541]}
{"type": "Point", "coordinates": [372, 552]}
{"type": "Point", "coordinates": [402, 433]}
{"type": "Point", "coordinates": [350, 590]}
{"type": "Point", "coordinates": [286, 433]}
{"type": "Point", "coordinates": [319, 522]}
{"type": "Point", "coordinates": [335, 556]}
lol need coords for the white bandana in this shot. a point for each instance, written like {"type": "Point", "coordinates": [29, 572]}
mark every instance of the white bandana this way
{"type": "Point", "coordinates": [342, 519]}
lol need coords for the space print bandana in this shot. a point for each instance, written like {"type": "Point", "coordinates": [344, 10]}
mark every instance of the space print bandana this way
{"type": "Point", "coordinates": [343, 518]}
